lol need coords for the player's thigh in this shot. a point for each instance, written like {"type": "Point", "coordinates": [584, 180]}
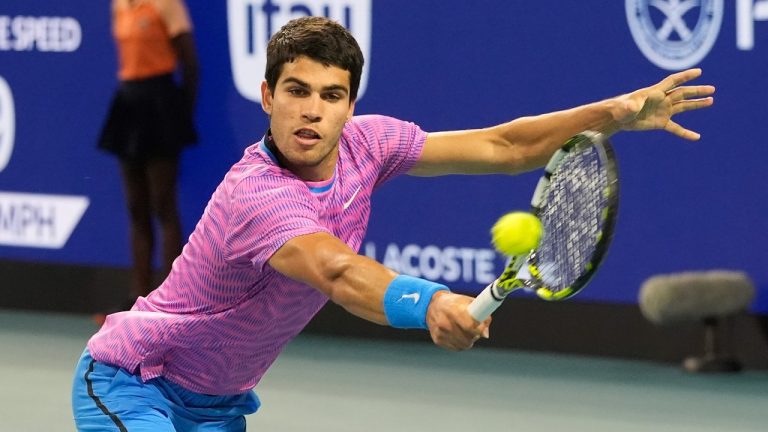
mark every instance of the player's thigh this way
{"type": "Point", "coordinates": [105, 398]}
{"type": "Point", "coordinates": [148, 420]}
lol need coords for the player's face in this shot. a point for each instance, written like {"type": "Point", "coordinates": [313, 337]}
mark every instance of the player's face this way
{"type": "Point", "coordinates": [307, 110]}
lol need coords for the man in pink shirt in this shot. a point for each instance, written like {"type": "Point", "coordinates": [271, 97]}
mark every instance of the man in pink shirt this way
{"type": "Point", "coordinates": [280, 235]}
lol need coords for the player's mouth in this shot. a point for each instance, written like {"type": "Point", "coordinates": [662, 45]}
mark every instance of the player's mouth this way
{"type": "Point", "coordinates": [307, 137]}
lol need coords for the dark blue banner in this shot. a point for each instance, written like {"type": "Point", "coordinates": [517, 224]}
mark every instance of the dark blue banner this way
{"type": "Point", "coordinates": [442, 64]}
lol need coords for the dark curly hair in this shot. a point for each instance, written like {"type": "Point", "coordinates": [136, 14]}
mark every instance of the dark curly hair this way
{"type": "Point", "coordinates": [320, 39]}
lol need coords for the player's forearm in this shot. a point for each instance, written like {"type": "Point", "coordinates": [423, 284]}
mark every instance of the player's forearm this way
{"type": "Point", "coordinates": [357, 283]}
{"type": "Point", "coordinates": [322, 261]}
{"type": "Point", "coordinates": [521, 145]}
{"type": "Point", "coordinates": [369, 290]}
{"type": "Point", "coordinates": [530, 141]}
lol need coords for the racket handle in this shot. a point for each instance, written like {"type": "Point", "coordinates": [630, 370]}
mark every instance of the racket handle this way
{"type": "Point", "coordinates": [484, 304]}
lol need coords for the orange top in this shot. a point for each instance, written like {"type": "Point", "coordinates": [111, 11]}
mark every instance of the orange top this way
{"type": "Point", "coordinates": [143, 30]}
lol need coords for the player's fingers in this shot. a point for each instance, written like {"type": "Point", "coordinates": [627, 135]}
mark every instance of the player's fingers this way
{"type": "Point", "coordinates": [678, 78]}
{"type": "Point", "coordinates": [456, 337]}
{"type": "Point", "coordinates": [476, 333]}
{"type": "Point", "coordinates": [680, 131]}
{"type": "Point", "coordinates": [692, 104]}
{"type": "Point", "coordinates": [469, 334]}
{"type": "Point", "coordinates": [457, 343]}
{"type": "Point", "coordinates": [443, 340]}
{"type": "Point", "coordinates": [690, 92]}
{"type": "Point", "coordinates": [465, 336]}
{"type": "Point", "coordinates": [485, 328]}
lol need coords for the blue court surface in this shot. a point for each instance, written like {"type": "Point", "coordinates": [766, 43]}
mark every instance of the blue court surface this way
{"type": "Point", "coordinates": [341, 384]}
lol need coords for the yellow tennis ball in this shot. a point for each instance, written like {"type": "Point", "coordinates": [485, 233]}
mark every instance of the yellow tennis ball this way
{"type": "Point", "coordinates": [516, 233]}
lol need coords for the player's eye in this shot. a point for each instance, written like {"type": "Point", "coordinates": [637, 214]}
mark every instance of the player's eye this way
{"type": "Point", "coordinates": [333, 97]}
{"type": "Point", "coordinates": [297, 91]}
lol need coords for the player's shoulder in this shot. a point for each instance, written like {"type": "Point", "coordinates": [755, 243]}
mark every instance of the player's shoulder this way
{"type": "Point", "coordinates": [379, 134]}
{"type": "Point", "coordinates": [373, 123]}
{"type": "Point", "coordinates": [372, 129]}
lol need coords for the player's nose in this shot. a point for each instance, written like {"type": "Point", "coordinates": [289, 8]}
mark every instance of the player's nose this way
{"type": "Point", "coordinates": [311, 109]}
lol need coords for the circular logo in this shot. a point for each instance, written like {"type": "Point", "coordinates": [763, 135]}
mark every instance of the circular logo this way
{"type": "Point", "coordinates": [674, 34]}
{"type": "Point", "coordinates": [7, 123]}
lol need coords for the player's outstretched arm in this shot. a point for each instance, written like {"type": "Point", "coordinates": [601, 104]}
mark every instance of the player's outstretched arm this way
{"type": "Point", "coordinates": [527, 143]}
{"type": "Point", "coordinates": [371, 291]}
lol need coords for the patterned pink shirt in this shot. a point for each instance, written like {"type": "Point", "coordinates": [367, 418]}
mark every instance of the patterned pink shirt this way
{"type": "Point", "coordinates": [223, 314]}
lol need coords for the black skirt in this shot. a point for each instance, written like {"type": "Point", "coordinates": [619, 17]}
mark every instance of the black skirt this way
{"type": "Point", "coordinates": [148, 119]}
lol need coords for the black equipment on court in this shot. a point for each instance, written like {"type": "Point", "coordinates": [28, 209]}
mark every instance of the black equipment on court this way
{"type": "Point", "coordinates": [709, 297]}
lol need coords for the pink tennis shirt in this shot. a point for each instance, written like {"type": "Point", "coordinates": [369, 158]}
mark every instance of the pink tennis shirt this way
{"type": "Point", "coordinates": [223, 314]}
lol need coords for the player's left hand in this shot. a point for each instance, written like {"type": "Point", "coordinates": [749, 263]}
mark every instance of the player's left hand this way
{"type": "Point", "coordinates": [653, 107]}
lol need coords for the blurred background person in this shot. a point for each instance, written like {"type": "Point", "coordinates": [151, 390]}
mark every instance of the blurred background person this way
{"type": "Point", "coordinates": [149, 123]}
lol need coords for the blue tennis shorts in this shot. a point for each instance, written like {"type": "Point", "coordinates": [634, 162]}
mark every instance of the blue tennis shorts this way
{"type": "Point", "coordinates": [109, 398]}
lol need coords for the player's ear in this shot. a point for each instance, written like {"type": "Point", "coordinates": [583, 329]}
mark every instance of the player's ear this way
{"type": "Point", "coordinates": [351, 110]}
{"type": "Point", "coordinates": [266, 98]}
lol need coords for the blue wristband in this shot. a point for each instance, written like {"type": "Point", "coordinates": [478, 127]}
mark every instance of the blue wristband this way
{"type": "Point", "coordinates": [407, 299]}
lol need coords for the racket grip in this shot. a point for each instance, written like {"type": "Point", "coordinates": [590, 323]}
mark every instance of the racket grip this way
{"type": "Point", "coordinates": [484, 304]}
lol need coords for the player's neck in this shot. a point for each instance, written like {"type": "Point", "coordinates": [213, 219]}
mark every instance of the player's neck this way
{"type": "Point", "coordinates": [312, 172]}
{"type": "Point", "coordinates": [317, 173]}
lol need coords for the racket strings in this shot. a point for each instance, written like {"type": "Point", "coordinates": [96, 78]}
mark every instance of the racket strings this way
{"type": "Point", "coordinates": [572, 216]}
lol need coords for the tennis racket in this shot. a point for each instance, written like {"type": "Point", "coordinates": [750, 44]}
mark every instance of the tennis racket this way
{"type": "Point", "coordinates": [577, 201]}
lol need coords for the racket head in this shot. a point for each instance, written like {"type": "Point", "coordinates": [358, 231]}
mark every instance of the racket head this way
{"type": "Point", "coordinates": [577, 201]}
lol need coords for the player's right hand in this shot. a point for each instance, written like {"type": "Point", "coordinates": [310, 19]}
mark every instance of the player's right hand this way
{"type": "Point", "coordinates": [449, 323]}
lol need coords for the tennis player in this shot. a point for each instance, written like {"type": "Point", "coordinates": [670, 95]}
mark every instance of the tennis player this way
{"type": "Point", "coordinates": [280, 235]}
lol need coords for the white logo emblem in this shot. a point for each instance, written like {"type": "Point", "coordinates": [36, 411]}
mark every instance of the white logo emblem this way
{"type": "Point", "coordinates": [349, 202]}
{"type": "Point", "coordinates": [7, 123]}
{"type": "Point", "coordinates": [37, 220]}
{"type": "Point", "coordinates": [253, 22]}
{"type": "Point", "coordinates": [674, 34]}
{"type": "Point", "coordinates": [415, 297]}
